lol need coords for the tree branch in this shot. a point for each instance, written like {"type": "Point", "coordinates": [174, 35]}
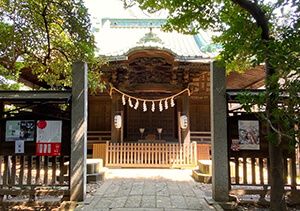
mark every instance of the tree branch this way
{"type": "Point", "coordinates": [280, 134]}
{"type": "Point", "coordinates": [258, 14]}
{"type": "Point", "coordinates": [44, 14]}
{"type": "Point", "coordinates": [62, 52]}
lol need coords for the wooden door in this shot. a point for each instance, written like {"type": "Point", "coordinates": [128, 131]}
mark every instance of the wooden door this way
{"type": "Point", "coordinates": [99, 114]}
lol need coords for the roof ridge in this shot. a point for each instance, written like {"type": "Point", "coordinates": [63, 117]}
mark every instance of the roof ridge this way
{"type": "Point", "coordinates": [133, 22]}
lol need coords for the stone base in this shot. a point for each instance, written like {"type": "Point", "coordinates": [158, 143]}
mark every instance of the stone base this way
{"type": "Point", "coordinates": [96, 177]}
{"type": "Point", "coordinates": [200, 177]}
{"type": "Point", "coordinates": [205, 166]}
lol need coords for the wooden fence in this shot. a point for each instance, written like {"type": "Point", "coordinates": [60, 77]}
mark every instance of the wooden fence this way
{"type": "Point", "coordinates": [33, 176]}
{"type": "Point", "coordinates": [255, 171]}
{"type": "Point", "coordinates": [150, 155]}
{"type": "Point", "coordinates": [96, 137]}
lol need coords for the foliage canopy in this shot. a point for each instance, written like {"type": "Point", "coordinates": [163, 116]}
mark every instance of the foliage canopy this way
{"type": "Point", "coordinates": [46, 36]}
{"type": "Point", "coordinates": [252, 32]}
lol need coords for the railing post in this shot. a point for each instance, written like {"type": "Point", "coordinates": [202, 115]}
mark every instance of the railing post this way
{"type": "Point", "coordinates": [106, 153]}
{"type": "Point", "coordinates": [195, 152]}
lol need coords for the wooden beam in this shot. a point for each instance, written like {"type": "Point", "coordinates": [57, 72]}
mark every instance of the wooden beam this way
{"type": "Point", "coordinates": [35, 95]}
{"type": "Point", "coordinates": [42, 192]}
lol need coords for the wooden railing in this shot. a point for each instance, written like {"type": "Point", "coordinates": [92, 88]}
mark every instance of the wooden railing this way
{"type": "Point", "coordinates": [33, 176]}
{"type": "Point", "coordinates": [201, 136]}
{"type": "Point", "coordinates": [99, 151]}
{"type": "Point", "coordinates": [150, 154]}
{"type": "Point", "coordinates": [246, 172]}
{"type": "Point", "coordinates": [98, 136]}
{"type": "Point", "coordinates": [255, 171]}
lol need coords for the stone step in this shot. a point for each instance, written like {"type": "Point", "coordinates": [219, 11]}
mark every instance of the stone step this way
{"type": "Point", "coordinates": [95, 177]}
{"type": "Point", "coordinates": [94, 165]}
{"type": "Point", "coordinates": [91, 177]}
{"type": "Point", "coordinates": [98, 176]}
{"type": "Point", "coordinates": [205, 166]}
{"type": "Point", "coordinates": [200, 177]}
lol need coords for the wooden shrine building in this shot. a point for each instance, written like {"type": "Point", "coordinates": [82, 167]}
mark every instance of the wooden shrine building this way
{"type": "Point", "coordinates": [157, 92]}
{"type": "Point", "coordinates": [148, 64]}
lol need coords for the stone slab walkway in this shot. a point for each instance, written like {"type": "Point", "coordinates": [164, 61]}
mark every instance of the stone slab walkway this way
{"type": "Point", "coordinates": [148, 190]}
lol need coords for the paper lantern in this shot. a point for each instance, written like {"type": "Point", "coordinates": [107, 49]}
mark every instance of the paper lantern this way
{"type": "Point", "coordinates": [118, 121]}
{"type": "Point", "coordinates": [183, 122]}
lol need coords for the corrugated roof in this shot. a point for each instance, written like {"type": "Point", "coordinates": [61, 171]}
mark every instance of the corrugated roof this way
{"type": "Point", "coordinates": [118, 37]}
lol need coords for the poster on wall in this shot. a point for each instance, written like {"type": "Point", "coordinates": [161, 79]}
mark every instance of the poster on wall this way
{"type": "Point", "coordinates": [19, 147]}
{"type": "Point", "coordinates": [48, 137]}
{"type": "Point", "coordinates": [248, 134]}
{"type": "Point", "coordinates": [22, 130]}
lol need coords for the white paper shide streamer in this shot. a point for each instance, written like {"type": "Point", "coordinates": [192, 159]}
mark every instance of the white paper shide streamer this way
{"type": "Point", "coordinates": [172, 102]}
{"type": "Point", "coordinates": [153, 106]}
{"type": "Point", "coordinates": [123, 100]}
{"type": "Point", "coordinates": [160, 106]}
{"type": "Point", "coordinates": [136, 104]}
{"type": "Point", "coordinates": [130, 103]}
{"type": "Point", "coordinates": [144, 106]}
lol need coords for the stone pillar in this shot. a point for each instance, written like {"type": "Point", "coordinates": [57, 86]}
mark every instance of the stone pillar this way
{"type": "Point", "coordinates": [220, 172]}
{"type": "Point", "coordinates": [79, 132]}
{"type": "Point", "coordinates": [186, 135]}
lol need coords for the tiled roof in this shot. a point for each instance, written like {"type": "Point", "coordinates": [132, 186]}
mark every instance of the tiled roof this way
{"type": "Point", "coordinates": [119, 37]}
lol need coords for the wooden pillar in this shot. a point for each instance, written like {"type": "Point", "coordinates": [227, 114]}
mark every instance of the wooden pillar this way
{"type": "Point", "coordinates": [220, 163]}
{"type": "Point", "coordinates": [115, 132]}
{"type": "Point", "coordinates": [178, 127]}
{"type": "Point", "coordinates": [1, 109]}
{"type": "Point", "coordinates": [79, 132]}
{"type": "Point", "coordinates": [122, 128]}
{"type": "Point", "coordinates": [1, 131]}
{"type": "Point", "coordinates": [186, 135]}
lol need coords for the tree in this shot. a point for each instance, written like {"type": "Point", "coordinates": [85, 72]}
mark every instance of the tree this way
{"type": "Point", "coordinates": [252, 32]}
{"type": "Point", "coordinates": [46, 36]}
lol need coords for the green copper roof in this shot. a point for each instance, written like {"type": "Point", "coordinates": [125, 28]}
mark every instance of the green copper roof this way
{"type": "Point", "coordinates": [134, 23]}
{"type": "Point", "coordinates": [118, 37]}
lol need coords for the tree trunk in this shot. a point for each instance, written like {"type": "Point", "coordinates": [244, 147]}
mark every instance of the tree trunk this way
{"type": "Point", "coordinates": [272, 93]}
{"type": "Point", "coordinates": [277, 180]}
{"type": "Point", "coordinates": [275, 146]}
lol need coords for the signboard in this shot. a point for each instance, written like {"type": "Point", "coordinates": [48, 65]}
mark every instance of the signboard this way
{"type": "Point", "coordinates": [22, 130]}
{"type": "Point", "coordinates": [19, 147]}
{"type": "Point", "coordinates": [249, 134]}
{"type": "Point", "coordinates": [48, 137]}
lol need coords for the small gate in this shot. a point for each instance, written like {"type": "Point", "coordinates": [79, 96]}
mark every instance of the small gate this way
{"type": "Point", "coordinates": [151, 155]}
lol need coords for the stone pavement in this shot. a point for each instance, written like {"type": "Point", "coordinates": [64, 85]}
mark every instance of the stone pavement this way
{"type": "Point", "coordinates": [149, 190]}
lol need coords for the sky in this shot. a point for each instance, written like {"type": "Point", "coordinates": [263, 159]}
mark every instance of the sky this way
{"type": "Point", "coordinates": [99, 9]}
